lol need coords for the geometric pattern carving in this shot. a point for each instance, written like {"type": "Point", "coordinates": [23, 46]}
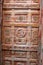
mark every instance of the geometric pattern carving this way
{"type": "Point", "coordinates": [15, 17]}
{"type": "Point", "coordinates": [33, 55]}
{"type": "Point", "coordinates": [35, 36]}
{"type": "Point", "coordinates": [21, 1]}
{"type": "Point", "coordinates": [35, 33]}
{"type": "Point", "coordinates": [20, 35]}
{"type": "Point", "coordinates": [20, 16]}
{"type": "Point", "coordinates": [21, 47]}
{"type": "Point", "coordinates": [21, 32]}
{"type": "Point", "coordinates": [6, 31]}
{"type": "Point", "coordinates": [35, 18]}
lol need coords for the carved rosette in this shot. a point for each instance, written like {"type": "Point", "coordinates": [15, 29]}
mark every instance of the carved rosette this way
{"type": "Point", "coordinates": [20, 35]}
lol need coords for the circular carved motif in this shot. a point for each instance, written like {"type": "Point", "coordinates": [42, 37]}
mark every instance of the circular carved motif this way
{"type": "Point", "coordinates": [21, 32]}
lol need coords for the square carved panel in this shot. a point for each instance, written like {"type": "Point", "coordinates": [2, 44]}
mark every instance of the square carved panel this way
{"type": "Point", "coordinates": [22, 35]}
